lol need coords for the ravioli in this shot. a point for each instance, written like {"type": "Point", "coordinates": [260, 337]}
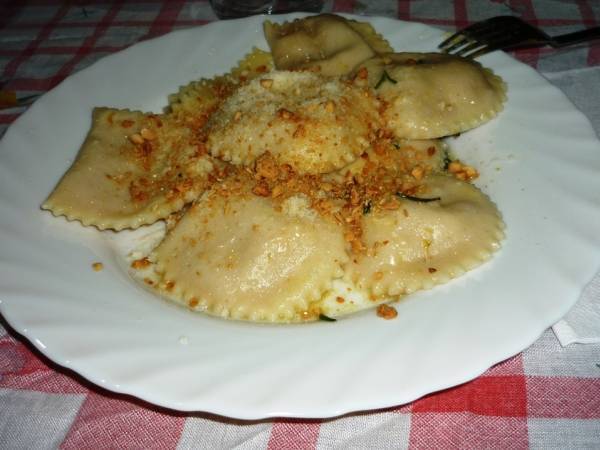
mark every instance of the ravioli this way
{"type": "Point", "coordinates": [422, 244]}
{"type": "Point", "coordinates": [327, 43]}
{"type": "Point", "coordinates": [235, 255]}
{"type": "Point", "coordinates": [375, 40]}
{"type": "Point", "coordinates": [133, 169]}
{"type": "Point", "coordinates": [432, 95]}
{"type": "Point", "coordinates": [304, 182]}
{"type": "Point", "coordinates": [314, 124]}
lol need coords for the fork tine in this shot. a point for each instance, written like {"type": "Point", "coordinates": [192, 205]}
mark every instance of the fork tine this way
{"type": "Point", "coordinates": [491, 46]}
{"type": "Point", "coordinates": [465, 41]}
{"type": "Point", "coordinates": [489, 38]}
{"type": "Point", "coordinates": [475, 45]}
{"type": "Point", "coordinates": [462, 34]}
{"type": "Point", "coordinates": [481, 51]}
{"type": "Point", "coordinates": [475, 29]}
{"type": "Point", "coordinates": [446, 42]}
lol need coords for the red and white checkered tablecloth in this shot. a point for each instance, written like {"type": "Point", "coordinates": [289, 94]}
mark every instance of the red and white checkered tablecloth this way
{"type": "Point", "coordinates": [546, 397]}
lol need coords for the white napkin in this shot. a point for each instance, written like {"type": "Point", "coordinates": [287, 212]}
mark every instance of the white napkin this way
{"type": "Point", "coordinates": [582, 324]}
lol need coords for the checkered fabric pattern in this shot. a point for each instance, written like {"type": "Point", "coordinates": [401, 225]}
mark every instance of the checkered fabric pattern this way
{"type": "Point", "coordinates": [545, 397]}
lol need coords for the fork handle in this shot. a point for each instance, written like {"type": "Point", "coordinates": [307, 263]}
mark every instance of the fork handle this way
{"type": "Point", "coordinates": [576, 37]}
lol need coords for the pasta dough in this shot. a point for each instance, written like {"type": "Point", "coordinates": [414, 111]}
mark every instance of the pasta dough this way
{"type": "Point", "coordinates": [314, 124]}
{"type": "Point", "coordinates": [426, 243]}
{"type": "Point", "coordinates": [133, 169]}
{"type": "Point", "coordinates": [234, 255]}
{"type": "Point", "coordinates": [431, 95]}
{"type": "Point", "coordinates": [328, 43]}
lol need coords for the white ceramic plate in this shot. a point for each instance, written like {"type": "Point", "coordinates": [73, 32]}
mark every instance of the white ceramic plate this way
{"type": "Point", "coordinates": [539, 161]}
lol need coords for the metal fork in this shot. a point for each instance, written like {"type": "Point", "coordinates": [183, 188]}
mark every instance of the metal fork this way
{"type": "Point", "coordinates": [508, 32]}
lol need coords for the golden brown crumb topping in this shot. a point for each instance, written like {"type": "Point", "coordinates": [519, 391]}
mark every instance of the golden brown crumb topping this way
{"type": "Point", "coordinates": [140, 263]}
{"type": "Point", "coordinates": [344, 197]}
{"type": "Point", "coordinates": [386, 312]}
{"type": "Point", "coordinates": [462, 171]}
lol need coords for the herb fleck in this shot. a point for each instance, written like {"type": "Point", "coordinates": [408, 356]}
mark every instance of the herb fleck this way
{"type": "Point", "coordinates": [385, 77]}
{"type": "Point", "coordinates": [447, 160]}
{"type": "Point", "coordinates": [367, 206]}
{"type": "Point", "coordinates": [325, 318]}
{"type": "Point", "coordinates": [417, 199]}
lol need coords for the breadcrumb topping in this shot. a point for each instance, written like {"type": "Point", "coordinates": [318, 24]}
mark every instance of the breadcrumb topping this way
{"type": "Point", "coordinates": [343, 197]}
{"type": "Point", "coordinates": [386, 312]}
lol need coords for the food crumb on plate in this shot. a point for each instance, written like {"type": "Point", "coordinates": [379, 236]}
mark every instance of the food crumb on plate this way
{"type": "Point", "coordinates": [386, 312]}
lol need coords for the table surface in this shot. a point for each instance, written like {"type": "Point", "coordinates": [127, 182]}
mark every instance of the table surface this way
{"type": "Point", "coordinates": [546, 397]}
